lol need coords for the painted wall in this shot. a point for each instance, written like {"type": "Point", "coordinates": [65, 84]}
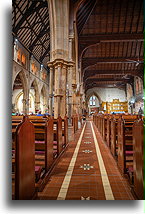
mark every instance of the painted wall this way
{"type": "Point", "coordinates": [108, 94]}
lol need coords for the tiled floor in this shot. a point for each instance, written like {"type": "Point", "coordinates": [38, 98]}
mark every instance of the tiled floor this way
{"type": "Point", "coordinates": [87, 171]}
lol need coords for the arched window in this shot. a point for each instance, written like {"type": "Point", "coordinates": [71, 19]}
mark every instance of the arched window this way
{"type": "Point", "coordinates": [92, 101]}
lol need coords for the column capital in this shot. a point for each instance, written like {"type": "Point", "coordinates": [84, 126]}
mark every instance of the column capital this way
{"type": "Point", "coordinates": [74, 86]}
{"type": "Point", "coordinates": [71, 36]}
{"type": "Point", "coordinates": [60, 62]}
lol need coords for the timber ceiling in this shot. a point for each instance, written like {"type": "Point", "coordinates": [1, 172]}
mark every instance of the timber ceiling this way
{"type": "Point", "coordinates": [30, 25]}
{"type": "Point", "coordinates": [110, 34]}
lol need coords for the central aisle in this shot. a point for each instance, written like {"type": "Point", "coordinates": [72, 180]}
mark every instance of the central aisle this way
{"type": "Point", "coordinates": [86, 171]}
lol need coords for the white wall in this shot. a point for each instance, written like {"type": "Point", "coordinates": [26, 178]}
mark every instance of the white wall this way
{"type": "Point", "coordinates": [108, 94]}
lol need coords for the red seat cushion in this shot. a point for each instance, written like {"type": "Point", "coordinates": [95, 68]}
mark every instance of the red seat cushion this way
{"type": "Point", "coordinates": [39, 152]}
{"type": "Point", "coordinates": [129, 152]}
{"type": "Point", "coordinates": [38, 169]}
{"type": "Point", "coordinates": [42, 142]}
{"type": "Point", "coordinates": [54, 142]}
{"type": "Point", "coordinates": [130, 169]}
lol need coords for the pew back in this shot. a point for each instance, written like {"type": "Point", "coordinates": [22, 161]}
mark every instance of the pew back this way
{"type": "Point", "coordinates": [138, 133]}
{"type": "Point", "coordinates": [25, 161]}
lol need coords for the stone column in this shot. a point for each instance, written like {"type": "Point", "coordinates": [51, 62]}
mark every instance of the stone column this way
{"type": "Point", "coordinates": [59, 51]}
{"type": "Point", "coordinates": [63, 91]}
{"type": "Point", "coordinates": [51, 86]}
{"type": "Point", "coordinates": [57, 94]}
{"type": "Point", "coordinates": [25, 102]}
{"type": "Point", "coordinates": [74, 99]}
{"type": "Point", "coordinates": [69, 82]}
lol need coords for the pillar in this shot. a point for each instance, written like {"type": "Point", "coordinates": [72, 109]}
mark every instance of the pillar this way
{"type": "Point", "coordinates": [51, 87]}
{"type": "Point", "coordinates": [63, 108]}
{"type": "Point", "coordinates": [25, 102]}
{"type": "Point", "coordinates": [70, 92]}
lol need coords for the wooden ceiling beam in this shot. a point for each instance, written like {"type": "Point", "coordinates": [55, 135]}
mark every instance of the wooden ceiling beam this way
{"type": "Point", "coordinates": [28, 12]}
{"type": "Point", "coordinates": [89, 61]}
{"type": "Point", "coordinates": [122, 37]}
{"type": "Point", "coordinates": [107, 80]}
{"type": "Point", "coordinates": [121, 86]}
{"type": "Point", "coordinates": [110, 72]}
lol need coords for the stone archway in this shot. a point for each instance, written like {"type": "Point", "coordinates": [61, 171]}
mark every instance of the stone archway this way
{"type": "Point", "coordinates": [91, 94]}
{"type": "Point", "coordinates": [35, 91]}
{"type": "Point", "coordinates": [20, 87]}
{"type": "Point", "coordinates": [43, 100]}
{"type": "Point", "coordinates": [88, 96]}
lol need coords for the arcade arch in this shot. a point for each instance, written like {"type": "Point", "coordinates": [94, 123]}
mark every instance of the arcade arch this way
{"type": "Point", "coordinates": [35, 92]}
{"type": "Point", "coordinates": [20, 94]}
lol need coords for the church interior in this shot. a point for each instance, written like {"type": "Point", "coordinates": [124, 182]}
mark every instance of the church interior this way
{"type": "Point", "coordinates": [77, 100]}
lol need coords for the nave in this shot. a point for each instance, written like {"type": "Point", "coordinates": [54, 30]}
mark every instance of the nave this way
{"type": "Point", "coordinates": [77, 81]}
{"type": "Point", "coordinates": [99, 158]}
{"type": "Point", "coordinates": [87, 171]}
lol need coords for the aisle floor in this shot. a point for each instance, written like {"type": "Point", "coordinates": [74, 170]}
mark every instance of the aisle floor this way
{"type": "Point", "coordinates": [87, 171]}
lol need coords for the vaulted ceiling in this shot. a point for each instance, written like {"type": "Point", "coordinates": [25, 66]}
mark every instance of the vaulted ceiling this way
{"type": "Point", "coordinates": [110, 35]}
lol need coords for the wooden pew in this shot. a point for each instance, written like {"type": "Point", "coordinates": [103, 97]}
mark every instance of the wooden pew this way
{"type": "Point", "coordinates": [104, 129]}
{"type": "Point", "coordinates": [98, 122]}
{"type": "Point", "coordinates": [108, 136]}
{"type": "Point", "coordinates": [48, 142]}
{"type": "Point", "coordinates": [25, 161]}
{"type": "Point", "coordinates": [65, 130]}
{"type": "Point", "coordinates": [43, 143]}
{"type": "Point", "coordinates": [138, 156]}
{"type": "Point", "coordinates": [125, 144]}
{"type": "Point", "coordinates": [114, 134]}
{"type": "Point", "coordinates": [58, 142]}
{"type": "Point", "coordinates": [128, 117]}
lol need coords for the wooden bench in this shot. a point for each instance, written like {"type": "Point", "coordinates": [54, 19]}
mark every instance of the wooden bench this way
{"type": "Point", "coordinates": [104, 128]}
{"type": "Point", "coordinates": [48, 145]}
{"type": "Point", "coordinates": [25, 161]}
{"type": "Point", "coordinates": [138, 158]}
{"type": "Point", "coordinates": [58, 141]}
{"type": "Point", "coordinates": [65, 130]}
{"type": "Point", "coordinates": [125, 144]}
{"type": "Point", "coordinates": [114, 134]}
{"type": "Point", "coordinates": [43, 142]}
{"type": "Point", "coordinates": [108, 129]}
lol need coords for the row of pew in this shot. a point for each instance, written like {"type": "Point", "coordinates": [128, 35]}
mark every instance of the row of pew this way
{"type": "Point", "coordinates": [123, 134]}
{"type": "Point", "coordinates": [37, 144]}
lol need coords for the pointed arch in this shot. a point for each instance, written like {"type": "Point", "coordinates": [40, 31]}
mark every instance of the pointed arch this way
{"type": "Point", "coordinates": [93, 93]}
{"type": "Point", "coordinates": [34, 85]}
{"type": "Point", "coordinates": [43, 99]}
{"type": "Point", "coordinates": [21, 76]}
